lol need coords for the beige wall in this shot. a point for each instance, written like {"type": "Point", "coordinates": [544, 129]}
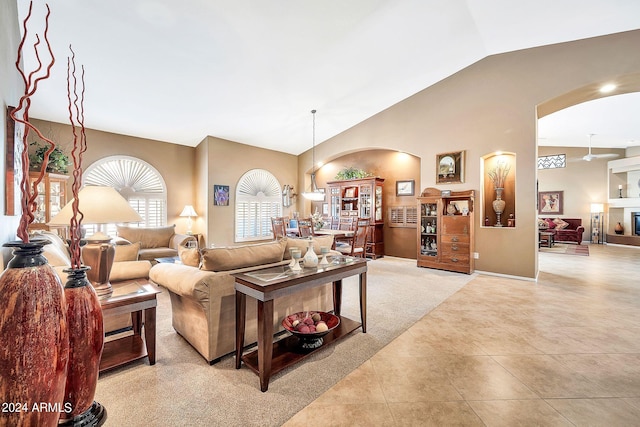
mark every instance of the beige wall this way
{"type": "Point", "coordinates": [176, 163]}
{"type": "Point", "coordinates": [582, 182]}
{"type": "Point", "coordinates": [392, 166]}
{"type": "Point", "coordinates": [10, 91]}
{"type": "Point", "coordinates": [487, 107]}
{"type": "Point", "coordinates": [227, 161]}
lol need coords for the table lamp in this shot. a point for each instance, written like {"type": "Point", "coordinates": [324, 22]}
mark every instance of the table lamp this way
{"type": "Point", "coordinates": [188, 211]}
{"type": "Point", "coordinates": [99, 205]}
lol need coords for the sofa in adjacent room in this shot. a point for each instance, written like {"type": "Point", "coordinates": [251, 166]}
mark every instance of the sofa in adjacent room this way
{"type": "Point", "coordinates": [563, 229]}
{"type": "Point", "coordinates": [157, 242]}
{"type": "Point", "coordinates": [202, 291]}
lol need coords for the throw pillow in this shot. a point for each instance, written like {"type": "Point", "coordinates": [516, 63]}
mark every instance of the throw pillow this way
{"type": "Point", "coordinates": [127, 252]}
{"type": "Point", "coordinates": [225, 259]}
{"type": "Point", "coordinates": [189, 256]}
{"type": "Point", "coordinates": [560, 224]}
{"type": "Point", "coordinates": [303, 244]}
{"type": "Point", "coordinates": [550, 223]}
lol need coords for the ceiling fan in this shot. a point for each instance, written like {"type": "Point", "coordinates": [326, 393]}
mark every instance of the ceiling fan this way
{"type": "Point", "coordinates": [590, 156]}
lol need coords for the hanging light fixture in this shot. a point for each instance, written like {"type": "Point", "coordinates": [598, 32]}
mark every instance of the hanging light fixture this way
{"type": "Point", "coordinates": [314, 195]}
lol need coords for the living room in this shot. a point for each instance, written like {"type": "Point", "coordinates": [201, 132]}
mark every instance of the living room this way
{"type": "Point", "coordinates": [470, 111]}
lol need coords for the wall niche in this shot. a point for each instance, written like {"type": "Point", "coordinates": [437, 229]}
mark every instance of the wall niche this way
{"type": "Point", "coordinates": [498, 190]}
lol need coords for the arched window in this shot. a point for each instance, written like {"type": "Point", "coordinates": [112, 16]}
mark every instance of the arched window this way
{"type": "Point", "coordinates": [258, 198]}
{"type": "Point", "coordinates": [137, 181]}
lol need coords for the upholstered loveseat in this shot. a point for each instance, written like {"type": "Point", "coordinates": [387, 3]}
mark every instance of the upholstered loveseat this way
{"type": "Point", "coordinates": [156, 242]}
{"type": "Point", "coordinates": [572, 232]}
{"type": "Point", "coordinates": [202, 291]}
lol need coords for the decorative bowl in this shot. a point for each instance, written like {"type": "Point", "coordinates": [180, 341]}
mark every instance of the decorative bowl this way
{"type": "Point", "coordinates": [310, 340]}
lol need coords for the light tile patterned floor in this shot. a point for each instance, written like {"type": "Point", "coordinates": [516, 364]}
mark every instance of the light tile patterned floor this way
{"type": "Point", "coordinates": [501, 352]}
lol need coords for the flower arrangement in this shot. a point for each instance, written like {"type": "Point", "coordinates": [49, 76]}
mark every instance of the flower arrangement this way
{"type": "Point", "coordinates": [317, 219]}
{"type": "Point", "coordinates": [499, 172]}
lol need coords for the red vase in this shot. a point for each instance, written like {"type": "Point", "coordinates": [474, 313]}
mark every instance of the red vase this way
{"type": "Point", "coordinates": [35, 339]}
{"type": "Point", "coordinates": [86, 339]}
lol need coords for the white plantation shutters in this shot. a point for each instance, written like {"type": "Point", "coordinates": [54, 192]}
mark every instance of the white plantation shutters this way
{"type": "Point", "coordinates": [138, 182]}
{"type": "Point", "coordinates": [258, 198]}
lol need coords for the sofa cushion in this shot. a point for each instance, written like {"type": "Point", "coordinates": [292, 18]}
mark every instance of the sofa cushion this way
{"type": "Point", "coordinates": [303, 244]}
{"type": "Point", "coordinates": [189, 256]}
{"type": "Point", "coordinates": [560, 224]}
{"type": "Point", "coordinates": [55, 256]}
{"type": "Point", "coordinates": [127, 252]}
{"type": "Point", "coordinates": [231, 258]}
{"type": "Point", "coordinates": [550, 223]}
{"type": "Point", "coordinates": [157, 237]}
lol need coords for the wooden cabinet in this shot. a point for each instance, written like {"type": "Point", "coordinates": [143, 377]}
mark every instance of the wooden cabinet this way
{"type": "Point", "coordinates": [445, 237]}
{"type": "Point", "coordinates": [52, 196]}
{"type": "Point", "coordinates": [360, 198]}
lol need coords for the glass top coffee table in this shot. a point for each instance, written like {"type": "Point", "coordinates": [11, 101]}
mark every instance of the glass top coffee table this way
{"type": "Point", "coordinates": [269, 283]}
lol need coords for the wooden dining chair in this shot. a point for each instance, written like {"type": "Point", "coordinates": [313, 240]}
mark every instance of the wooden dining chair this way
{"type": "Point", "coordinates": [305, 227]}
{"type": "Point", "coordinates": [346, 224]}
{"type": "Point", "coordinates": [279, 227]}
{"type": "Point", "coordinates": [335, 222]}
{"type": "Point", "coordinates": [358, 243]}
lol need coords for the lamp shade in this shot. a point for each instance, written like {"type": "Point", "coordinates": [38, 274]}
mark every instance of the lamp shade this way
{"type": "Point", "coordinates": [188, 211]}
{"type": "Point", "coordinates": [99, 205]}
{"type": "Point", "coordinates": [597, 207]}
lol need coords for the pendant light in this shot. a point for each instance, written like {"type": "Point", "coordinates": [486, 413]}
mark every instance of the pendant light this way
{"type": "Point", "coordinates": [314, 195]}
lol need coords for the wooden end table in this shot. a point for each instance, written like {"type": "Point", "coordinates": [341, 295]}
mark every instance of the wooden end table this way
{"type": "Point", "coordinates": [267, 284]}
{"type": "Point", "coordinates": [137, 297]}
{"type": "Point", "coordinates": [545, 236]}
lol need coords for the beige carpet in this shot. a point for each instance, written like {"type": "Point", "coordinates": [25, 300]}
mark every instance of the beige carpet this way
{"type": "Point", "coordinates": [182, 389]}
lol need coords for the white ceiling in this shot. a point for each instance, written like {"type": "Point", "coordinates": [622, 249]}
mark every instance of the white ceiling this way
{"type": "Point", "coordinates": [251, 70]}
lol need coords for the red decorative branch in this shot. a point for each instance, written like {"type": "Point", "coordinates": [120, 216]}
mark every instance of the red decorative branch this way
{"type": "Point", "coordinates": [76, 117]}
{"type": "Point", "coordinates": [21, 115]}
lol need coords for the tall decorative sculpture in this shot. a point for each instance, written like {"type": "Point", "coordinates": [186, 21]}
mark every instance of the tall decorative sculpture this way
{"type": "Point", "coordinates": [84, 315]}
{"type": "Point", "coordinates": [33, 323]}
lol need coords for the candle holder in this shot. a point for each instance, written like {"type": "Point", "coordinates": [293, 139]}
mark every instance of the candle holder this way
{"type": "Point", "coordinates": [620, 192]}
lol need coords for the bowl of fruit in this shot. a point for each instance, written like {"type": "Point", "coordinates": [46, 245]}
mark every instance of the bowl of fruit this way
{"type": "Point", "coordinates": [310, 326]}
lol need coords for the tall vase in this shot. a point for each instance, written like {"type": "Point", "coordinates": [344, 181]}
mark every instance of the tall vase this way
{"type": "Point", "coordinates": [498, 206]}
{"type": "Point", "coordinates": [35, 339]}
{"type": "Point", "coordinates": [86, 338]}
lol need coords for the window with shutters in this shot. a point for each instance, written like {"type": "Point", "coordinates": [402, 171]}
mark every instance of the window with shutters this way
{"type": "Point", "coordinates": [403, 216]}
{"type": "Point", "coordinates": [258, 198]}
{"type": "Point", "coordinates": [138, 182]}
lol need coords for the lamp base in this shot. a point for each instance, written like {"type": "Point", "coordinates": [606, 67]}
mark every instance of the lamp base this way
{"type": "Point", "coordinates": [99, 255]}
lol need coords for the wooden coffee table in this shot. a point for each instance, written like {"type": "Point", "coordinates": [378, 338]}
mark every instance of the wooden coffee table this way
{"type": "Point", "coordinates": [267, 284]}
{"type": "Point", "coordinates": [546, 237]}
{"type": "Point", "coordinates": [137, 297]}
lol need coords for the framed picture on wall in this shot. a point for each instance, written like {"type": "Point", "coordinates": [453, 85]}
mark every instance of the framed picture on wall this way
{"type": "Point", "coordinates": [405, 188]}
{"type": "Point", "coordinates": [220, 195]}
{"type": "Point", "coordinates": [450, 168]}
{"type": "Point", "coordinates": [550, 202]}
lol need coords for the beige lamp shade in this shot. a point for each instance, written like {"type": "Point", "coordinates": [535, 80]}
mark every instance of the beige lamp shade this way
{"type": "Point", "coordinates": [99, 205]}
{"type": "Point", "coordinates": [188, 211]}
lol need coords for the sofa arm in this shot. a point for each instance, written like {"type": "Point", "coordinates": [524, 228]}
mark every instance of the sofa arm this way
{"type": "Point", "coordinates": [127, 270]}
{"type": "Point", "coordinates": [178, 240]}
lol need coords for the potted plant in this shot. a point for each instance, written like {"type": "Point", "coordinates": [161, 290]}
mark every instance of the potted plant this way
{"type": "Point", "coordinates": [352, 173]}
{"type": "Point", "coordinates": [58, 160]}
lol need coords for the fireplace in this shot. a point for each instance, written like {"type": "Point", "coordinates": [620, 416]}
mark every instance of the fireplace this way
{"type": "Point", "coordinates": [635, 223]}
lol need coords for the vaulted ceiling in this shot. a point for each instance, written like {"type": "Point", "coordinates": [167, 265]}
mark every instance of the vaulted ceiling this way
{"type": "Point", "coordinates": [251, 70]}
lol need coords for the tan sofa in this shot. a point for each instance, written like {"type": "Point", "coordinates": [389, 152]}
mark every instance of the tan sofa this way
{"type": "Point", "coordinates": [158, 242]}
{"type": "Point", "coordinates": [203, 295]}
{"type": "Point", "coordinates": [125, 267]}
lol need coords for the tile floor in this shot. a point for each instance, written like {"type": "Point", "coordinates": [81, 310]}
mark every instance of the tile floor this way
{"type": "Point", "coordinates": [501, 352]}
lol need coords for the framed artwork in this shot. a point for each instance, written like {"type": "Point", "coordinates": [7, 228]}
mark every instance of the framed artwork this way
{"type": "Point", "coordinates": [550, 202]}
{"type": "Point", "coordinates": [220, 195]}
{"type": "Point", "coordinates": [350, 192]}
{"type": "Point", "coordinates": [13, 162]}
{"type": "Point", "coordinates": [405, 188]}
{"type": "Point", "coordinates": [325, 209]}
{"type": "Point", "coordinates": [450, 168]}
